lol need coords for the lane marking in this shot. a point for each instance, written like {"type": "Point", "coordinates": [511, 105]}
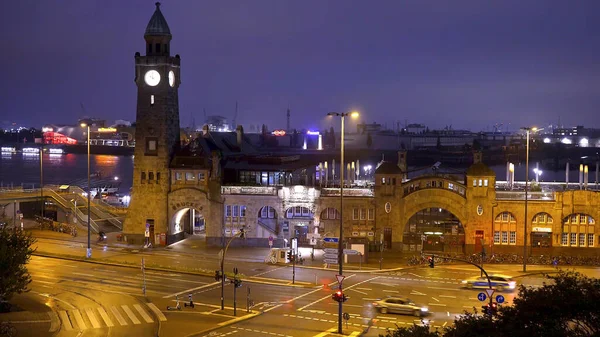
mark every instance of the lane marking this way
{"type": "Point", "coordinates": [65, 320]}
{"type": "Point", "coordinates": [144, 314]}
{"type": "Point", "coordinates": [105, 317]}
{"type": "Point", "coordinates": [118, 315]}
{"type": "Point", "coordinates": [329, 296]}
{"type": "Point", "coordinates": [367, 289]}
{"type": "Point", "coordinates": [358, 291]}
{"type": "Point", "coordinates": [325, 333]}
{"type": "Point", "coordinates": [83, 274]}
{"type": "Point", "coordinates": [157, 312]}
{"type": "Point", "coordinates": [92, 318]}
{"type": "Point", "coordinates": [79, 320]}
{"type": "Point", "coordinates": [453, 289]}
{"type": "Point", "coordinates": [447, 296]}
{"type": "Point", "coordinates": [129, 313]}
{"type": "Point", "coordinates": [437, 304]}
{"type": "Point", "coordinates": [193, 289]}
{"type": "Point", "coordinates": [435, 299]}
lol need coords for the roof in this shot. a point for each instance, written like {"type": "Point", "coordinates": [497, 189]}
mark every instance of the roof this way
{"type": "Point", "coordinates": [387, 167]}
{"type": "Point", "coordinates": [158, 25]}
{"type": "Point", "coordinates": [480, 169]}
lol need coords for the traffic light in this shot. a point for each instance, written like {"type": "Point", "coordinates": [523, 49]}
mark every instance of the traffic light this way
{"type": "Point", "coordinates": [339, 296]}
{"type": "Point", "coordinates": [490, 309]}
{"type": "Point", "coordinates": [290, 256]}
{"type": "Point", "coordinates": [431, 262]}
{"type": "Point", "coordinates": [237, 282]}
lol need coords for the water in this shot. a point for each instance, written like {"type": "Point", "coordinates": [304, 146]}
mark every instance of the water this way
{"type": "Point", "coordinates": [65, 169]}
{"type": "Point", "coordinates": [71, 169]}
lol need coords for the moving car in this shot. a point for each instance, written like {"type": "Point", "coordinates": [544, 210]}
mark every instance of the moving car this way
{"type": "Point", "coordinates": [400, 305]}
{"type": "Point", "coordinates": [499, 283]}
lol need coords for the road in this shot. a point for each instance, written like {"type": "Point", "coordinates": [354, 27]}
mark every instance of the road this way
{"type": "Point", "coordinates": [105, 300]}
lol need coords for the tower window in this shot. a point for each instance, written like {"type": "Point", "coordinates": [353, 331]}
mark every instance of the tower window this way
{"type": "Point", "coordinates": [158, 47]}
{"type": "Point", "coordinates": [157, 176]}
{"type": "Point", "coordinates": [151, 99]}
{"type": "Point", "coordinates": [151, 146]}
{"type": "Point", "coordinates": [149, 48]}
{"type": "Point", "coordinates": [150, 175]}
{"type": "Point", "coordinates": [143, 176]}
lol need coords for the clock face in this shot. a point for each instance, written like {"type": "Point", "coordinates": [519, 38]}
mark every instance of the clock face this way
{"type": "Point", "coordinates": [171, 78]}
{"type": "Point", "coordinates": [152, 78]}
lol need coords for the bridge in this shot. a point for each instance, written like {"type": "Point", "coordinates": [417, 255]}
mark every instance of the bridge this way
{"type": "Point", "coordinates": [103, 217]}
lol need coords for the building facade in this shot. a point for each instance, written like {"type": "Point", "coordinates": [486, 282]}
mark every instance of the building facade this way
{"type": "Point", "coordinates": [220, 184]}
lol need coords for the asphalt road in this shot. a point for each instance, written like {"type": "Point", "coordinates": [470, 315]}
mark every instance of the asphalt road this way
{"type": "Point", "coordinates": [103, 300]}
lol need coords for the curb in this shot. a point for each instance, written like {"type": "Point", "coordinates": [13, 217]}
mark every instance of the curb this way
{"type": "Point", "coordinates": [199, 273]}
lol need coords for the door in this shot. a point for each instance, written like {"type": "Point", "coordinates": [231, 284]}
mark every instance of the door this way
{"type": "Point", "coordinates": [478, 241]}
{"type": "Point", "coordinates": [387, 238]}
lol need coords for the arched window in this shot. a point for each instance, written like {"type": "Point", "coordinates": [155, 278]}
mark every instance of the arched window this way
{"type": "Point", "coordinates": [542, 218]}
{"type": "Point", "coordinates": [267, 212]}
{"type": "Point", "coordinates": [298, 212]}
{"type": "Point", "coordinates": [578, 231]}
{"type": "Point", "coordinates": [505, 229]}
{"type": "Point", "coordinates": [330, 213]}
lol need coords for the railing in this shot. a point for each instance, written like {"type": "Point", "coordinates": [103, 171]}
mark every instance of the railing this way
{"type": "Point", "coordinates": [251, 190]}
{"type": "Point", "coordinates": [433, 182]}
{"type": "Point", "coordinates": [546, 186]}
{"type": "Point", "coordinates": [520, 195]}
{"type": "Point", "coordinates": [348, 192]}
{"type": "Point", "coordinates": [67, 204]}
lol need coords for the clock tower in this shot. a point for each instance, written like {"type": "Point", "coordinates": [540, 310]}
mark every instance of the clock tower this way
{"type": "Point", "coordinates": [156, 133]}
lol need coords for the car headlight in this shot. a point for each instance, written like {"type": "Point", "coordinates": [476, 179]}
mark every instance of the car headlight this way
{"type": "Point", "coordinates": [424, 309]}
{"type": "Point", "coordinates": [463, 281]}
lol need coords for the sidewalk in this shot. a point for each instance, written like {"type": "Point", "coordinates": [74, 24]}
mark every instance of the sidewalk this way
{"type": "Point", "coordinates": [196, 247]}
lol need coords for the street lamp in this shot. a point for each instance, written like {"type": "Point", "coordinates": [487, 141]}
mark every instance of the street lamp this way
{"type": "Point", "coordinates": [340, 247]}
{"type": "Point", "coordinates": [42, 181]}
{"type": "Point", "coordinates": [89, 192]}
{"type": "Point", "coordinates": [527, 131]}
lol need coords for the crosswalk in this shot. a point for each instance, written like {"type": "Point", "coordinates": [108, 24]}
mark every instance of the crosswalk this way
{"type": "Point", "coordinates": [99, 317]}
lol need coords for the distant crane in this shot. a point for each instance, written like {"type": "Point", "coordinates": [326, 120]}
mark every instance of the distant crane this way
{"type": "Point", "coordinates": [497, 127]}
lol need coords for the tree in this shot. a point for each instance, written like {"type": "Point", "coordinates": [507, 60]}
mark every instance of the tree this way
{"type": "Point", "coordinates": [413, 331]}
{"type": "Point", "coordinates": [567, 305]}
{"type": "Point", "coordinates": [15, 252]}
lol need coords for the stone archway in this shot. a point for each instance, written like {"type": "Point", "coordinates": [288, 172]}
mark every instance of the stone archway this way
{"type": "Point", "coordinates": [300, 221]}
{"type": "Point", "coordinates": [188, 220]}
{"type": "Point", "coordinates": [434, 229]}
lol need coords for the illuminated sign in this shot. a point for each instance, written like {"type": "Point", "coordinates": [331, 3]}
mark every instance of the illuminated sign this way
{"type": "Point", "coordinates": [8, 149]}
{"type": "Point", "coordinates": [30, 150]}
{"type": "Point", "coordinates": [312, 133]}
{"type": "Point", "coordinates": [107, 130]}
{"type": "Point", "coordinates": [47, 129]}
{"type": "Point", "coordinates": [278, 133]}
{"type": "Point", "coordinates": [56, 151]}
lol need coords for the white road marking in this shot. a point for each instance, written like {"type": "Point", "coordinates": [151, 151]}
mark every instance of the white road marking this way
{"type": "Point", "coordinates": [367, 289]}
{"type": "Point", "coordinates": [65, 320]}
{"type": "Point", "coordinates": [144, 314]}
{"type": "Point", "coordinates": [414, 292]}
{"type": "Point", "coordinates": [79, 320]}
{"type": "Point", "coordinates": [105, 317]}
{"type": "Point", "coordinates": [83, 274]}
{"type": "Point", "coordinates": [157, 312]}
{"type": "Point", "coordinates": [46, 282]}
{"type": "Point", "coordinates": [435, 299]}
{"type": "Point", "coordinates": [358, 291]}
{"type": "Point", "coordinates": [118, 315]}
{"type": "Point", "coordinates": [193, 289]}
{"type": "Point", "coordinates": [130, 314]}
{"type": "Point", "coordinates": [448, 296]}
{"type": "Point", "coordinates": [92, 317]}
{"type": "Point", "coordinates": [390, 291]}
{"type": "Point", "coordinates": [329, 296]}
{"type": "Point", "coordinates": [453, 289]}
{"type": "Point", "coordinates": [437, 304]}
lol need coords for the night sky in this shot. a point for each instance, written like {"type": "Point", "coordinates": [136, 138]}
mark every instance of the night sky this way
{"type": "Point", "coordinates": [469, 64]}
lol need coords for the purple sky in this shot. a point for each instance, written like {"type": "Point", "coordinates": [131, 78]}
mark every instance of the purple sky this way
{"type": "Point", "coordinates": [467, 63]}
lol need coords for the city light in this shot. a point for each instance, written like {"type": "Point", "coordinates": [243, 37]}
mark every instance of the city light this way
{"type": "Point", "coordinates": [547, 140]}
{"type": "Point", "coordinates": [566, 141]}
{"type": "Point", "coordinates": [30, 150]}
{"type": "Point", "coordinates": [312, 133]}
{"type": "Point", "coordinates": [107, 130]}
{"type": "Point", "coordinates": [584, 142]}
{"type": "Point", "coordinates": [278, 133]}
{"type": "Point", "coordinates": [9, 150]}
{"type": "Point", "coordinates": [56, 151]}
{"type": "Point", "coordinates": [116, 178]}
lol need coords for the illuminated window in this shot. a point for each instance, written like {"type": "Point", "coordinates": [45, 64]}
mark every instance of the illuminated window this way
{"type": "Point", "coordinates": [151, 146]}
{"type": "Point", "coordinates": [504, 237]}
{"type": "Point", "coordinates": [227, 210]}
{"type": "Point", "coordinates": [355, 214]}
{"type": "Point", "coordinates": [582, 219]}
{"type": "Point", "coordinates": [513, 238]}
{"type": "Point", "coordinates": [565, 239]}
{"type": "Point", "coordinates": [242, 211]}
{"type": "Point", "coordinates": [151, 99]}
{"type": "Point", "coordinates": [189, 176]}
{"type": "Point", "coordinates": [236, 211]}
{"type": "Point", "coordinates": [485, 182]}
{"type": "Point", "coordinates": [201, 176]}
{"type": "Point", "coordinates": [371, 213]}
{"type": "Point", "coordinates": [590, 240]}
{"type": "Point", "coordinates": [474, 182]}
{"type": "Point", "coordinates": [573, 239]}
{"type": "Point", "coordinates": [480, 183]}
{"type": "Point", "coordinates": [178, 176]}
{"type": "Point", "coordinates": [496, 236]}
{"type": "Point", "coordinates": [581, 239]}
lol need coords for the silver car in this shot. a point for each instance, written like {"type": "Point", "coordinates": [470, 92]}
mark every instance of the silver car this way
{"type": "Point", "coordinates": [400, 305]}
{"type": "Point", "coordinates": [499, 283]}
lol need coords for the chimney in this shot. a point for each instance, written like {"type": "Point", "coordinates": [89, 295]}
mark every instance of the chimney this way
{"type": "Point", "coordinates": [239, 130]}
{"type": "Point", "coordinates": [477, 155]}
{"type": "Point", "coordinates": [216, 166]}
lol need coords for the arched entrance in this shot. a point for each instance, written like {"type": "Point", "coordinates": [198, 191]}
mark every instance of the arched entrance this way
{"type": "Point", "coordinates": [434, 230]}
{"type": "Point", "coordinates": [190, 221]}
{"type": "Point", "coordinates": [300, 221]}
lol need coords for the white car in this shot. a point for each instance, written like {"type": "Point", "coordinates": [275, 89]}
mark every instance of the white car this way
{"type": "Point", "coordinates": [499, 283]}
{"type": "Point", "coordinates": [400, 305]}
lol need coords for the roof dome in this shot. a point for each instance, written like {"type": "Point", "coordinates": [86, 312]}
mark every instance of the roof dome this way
{"type": "Point", "coordinates": [387, 167]}
{"type": "Point", "coordinates": [480, 169]}
{"type": "Point", "coordinates": [158, 25]}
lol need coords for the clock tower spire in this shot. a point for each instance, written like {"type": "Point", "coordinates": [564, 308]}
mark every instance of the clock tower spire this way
{"type": "Point", "coordinates": [157, 132]}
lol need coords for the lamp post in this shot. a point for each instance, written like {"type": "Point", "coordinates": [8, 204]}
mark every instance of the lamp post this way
{"type": "Point", "coordinates": [89, 192]}
{"type": "Point", "coordinates": [527, 131]}
{"type": "Point", "coordinates": [42, 181]}
{"type": "Point", "coordinates": [340, 240]}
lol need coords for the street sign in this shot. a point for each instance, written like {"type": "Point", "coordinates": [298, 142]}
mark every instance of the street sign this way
{"type": "Point", "coordinates": [340, 278]}
{"type": "Point", "coordinates": [332, 261]}
{"type": "Point", "coordinates": [346, 316]}
{"type": "Point", "coordinates": [331, 239]}
{"type": "Point", "coordinates": [489, 292]}
{"type": "Point", "coordinates": [330, 256]}
{"type": "Point", "coordinates": [330, 250]}
{"type": "Point", "coordinates": [350, 251]}
{"type": "Point", "coordinates": [423, 238]}
{"type": "Point", "coordinates": [481, 297]}
{"type": "Point", "coordinates": [500, 299]}
{"type": "Point", "coordinates": [271, 238]}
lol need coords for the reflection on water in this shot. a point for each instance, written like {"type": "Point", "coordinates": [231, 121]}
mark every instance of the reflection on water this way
{"type": "Point", "coordinates": [21, 168]}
